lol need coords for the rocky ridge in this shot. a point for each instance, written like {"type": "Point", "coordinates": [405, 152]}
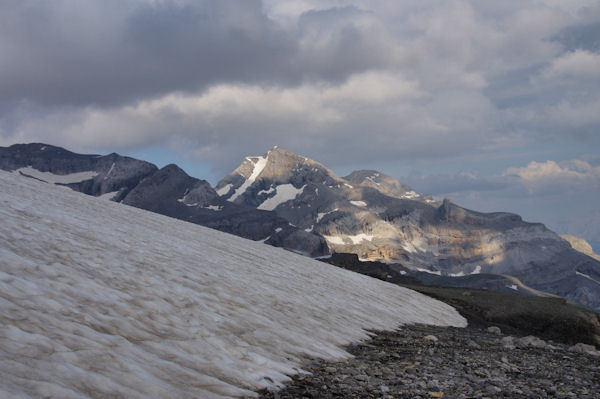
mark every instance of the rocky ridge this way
{"type": "Point", "coordinates": [110, 175]}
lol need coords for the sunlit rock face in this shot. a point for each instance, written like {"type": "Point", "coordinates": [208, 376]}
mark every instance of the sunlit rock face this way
{"type": "Point", "coordinates": [380, 218]}
{"type": "Point", "coordinates": [581, 245]}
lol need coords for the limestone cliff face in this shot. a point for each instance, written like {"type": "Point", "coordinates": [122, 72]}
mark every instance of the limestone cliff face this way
{"type": "Point", "coordinates": [581, 245]}
{"type": "Point", "coordinates": [380, 218]}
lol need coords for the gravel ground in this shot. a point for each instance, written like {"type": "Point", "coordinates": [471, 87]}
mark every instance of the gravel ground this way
{"type": "Point", "coordinates": [433, 362]}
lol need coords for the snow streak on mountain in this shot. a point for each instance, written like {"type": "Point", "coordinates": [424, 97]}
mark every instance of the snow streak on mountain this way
{"type": "Point", "coordinates": [99, 299]}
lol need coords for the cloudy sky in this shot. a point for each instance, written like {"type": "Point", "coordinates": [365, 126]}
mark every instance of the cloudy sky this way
{"type": "Point", "coordinates": [495, 104]}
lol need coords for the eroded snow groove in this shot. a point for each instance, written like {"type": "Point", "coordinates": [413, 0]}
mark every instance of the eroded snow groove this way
{"type": "Point", "coordinates": [98, 299]}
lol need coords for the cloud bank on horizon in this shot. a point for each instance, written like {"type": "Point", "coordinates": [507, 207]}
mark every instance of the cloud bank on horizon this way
{"type": "Point", "coordinates": [494, 103]}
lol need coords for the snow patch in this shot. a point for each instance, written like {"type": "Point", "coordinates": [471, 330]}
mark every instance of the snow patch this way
{"type": "Point", "coordinates": [410, 195]}
{"type": "Point", "coordinates": [56, 179]}
{"type": "Point", "coordinates": [224, 190]}
{"type": "Point", "coordinates": [587, 276]}
{"type": "Point", "coordinates": [372, 180]}
{"type": "Point", "coordinates": [335, 240]}
{"type": "Point", "coordinates": [477, 270]}
{"type": "Point", "coordinates": [284, 193]}
{"type": "Point", "coordinates": [277, 230]}
{"type": "Point", "coordinates": [358, 203]}
{"type": "Point", "coordinates": [513, 287]}
{"type": "Point", "coordinates": [259, 165]}
{"type": "Point", "coordinates": [357, 239]}
{"type": "Point", "coordinates": [436, 272]}
{"type": "Point", "coordinates": [348, 185]}
{"type": "Point", "coordinates": [408, 247]}
{"type": "Point", "coordinates": [109, 171]}
{"type": "Point", "coordinates": [321, 215]}
{"type": "Point", "coordinates": [108, 196]}
{"type": "Point", "coordinates": [269, 191]}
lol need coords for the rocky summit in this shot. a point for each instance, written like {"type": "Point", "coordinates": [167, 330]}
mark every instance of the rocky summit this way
{"type": "Point", "coordinates": [380, 218]}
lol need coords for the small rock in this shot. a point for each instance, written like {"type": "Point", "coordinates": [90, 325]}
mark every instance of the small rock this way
{"type": "Point", "coordinates": [362, 377]}
{"type": "Point", "coordinates": [432, 338]}
{"type": "Point", "coordinates": [493, 389]}
{"type": "Point", "coordinates": [331, 370]}
{"type": "Point", "coordinates": [384, 388]}
{"type": "Point", "coordinates": [508, 342]}
{"type": "Point", "coordinates": [473, 344]}
{"type": "Point", "coordinates": [494, 330]}
{"type": "Point", "coordinates": [531, 341]}
{"type": "Point", "coordinates": [436, 394]}
{"type": "Point", "coordinates": [584, 348]}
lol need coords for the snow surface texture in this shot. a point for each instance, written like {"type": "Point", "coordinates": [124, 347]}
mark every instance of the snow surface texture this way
{"type": "Point", "coordinates": [98, 299]}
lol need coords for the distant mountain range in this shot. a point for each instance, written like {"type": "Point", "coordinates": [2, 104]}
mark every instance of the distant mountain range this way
{"type": "Point", "coordinates": [294, 202]}
{"type": "Point", "coordinates": [168, 191]}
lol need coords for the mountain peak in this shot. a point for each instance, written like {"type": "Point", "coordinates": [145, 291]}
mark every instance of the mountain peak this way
{"type": "Point", "coordinates": [279, 166]}
{"type": "Point", "coordinates": [385, 184]}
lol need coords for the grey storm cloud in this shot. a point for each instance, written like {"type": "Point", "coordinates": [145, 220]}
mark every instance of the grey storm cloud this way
{"type": "Point", "coordinates": [376, 81]}
{"type": "Point", "coordinates": [108, 52]}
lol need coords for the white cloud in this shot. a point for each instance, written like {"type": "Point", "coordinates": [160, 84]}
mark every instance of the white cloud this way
{"type": "Point", "coordinates": [568, 173]}
{"type": "Point", "coordinates": [226, 116]}
{"type": "Point", "coordinates": [575, 64]}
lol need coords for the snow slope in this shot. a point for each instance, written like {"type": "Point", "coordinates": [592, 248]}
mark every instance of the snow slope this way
{"type": "Point", "coordinates": [259, 165]}
{"type": "Point", "coordinates": [98, 299]}
{"type": "Point", "coordinates": [58, 179]}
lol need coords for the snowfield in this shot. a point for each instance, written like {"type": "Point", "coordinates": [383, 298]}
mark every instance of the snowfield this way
{"type": "Point", "coordinates": [283, 193]}
{"type": "Point", "coordinates": [98, 299]}
{"type": "Point", "coordinates": [58, 179]}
